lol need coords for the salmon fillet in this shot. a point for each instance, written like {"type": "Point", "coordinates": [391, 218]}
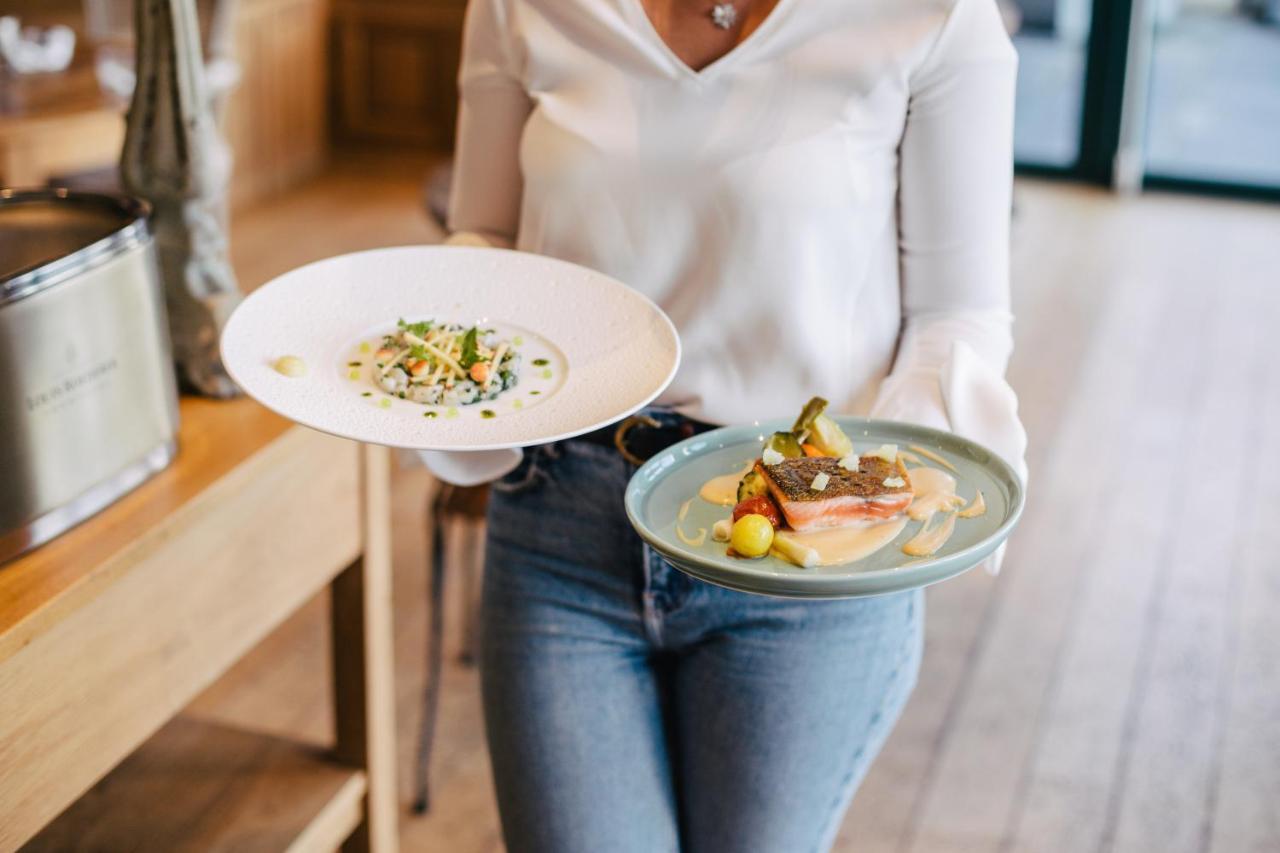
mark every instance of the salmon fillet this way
{"type": "Point", "coordinates": [849, 497]}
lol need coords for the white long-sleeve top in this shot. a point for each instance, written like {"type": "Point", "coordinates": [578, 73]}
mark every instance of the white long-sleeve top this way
{"type": "Point", "coordinates": [824, 210]}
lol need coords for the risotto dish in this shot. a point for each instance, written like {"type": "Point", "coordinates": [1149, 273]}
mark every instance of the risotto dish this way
{"type": "Point", "coordinates": [445, 364]}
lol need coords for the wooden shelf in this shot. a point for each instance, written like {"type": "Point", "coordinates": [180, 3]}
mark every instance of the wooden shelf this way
{"type": "Point", "coordinates": [198, 785]}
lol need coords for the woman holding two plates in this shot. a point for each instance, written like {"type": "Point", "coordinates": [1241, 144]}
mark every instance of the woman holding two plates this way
{"type": "Point", "coordinates": [817, 192]}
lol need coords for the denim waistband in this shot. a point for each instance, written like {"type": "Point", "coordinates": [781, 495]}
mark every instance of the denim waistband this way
{"type": "Point", "coordinates": [652, 429]}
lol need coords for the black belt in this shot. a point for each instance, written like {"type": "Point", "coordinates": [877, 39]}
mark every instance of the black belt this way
{"type": "Point", "coordinates": [641, 437]}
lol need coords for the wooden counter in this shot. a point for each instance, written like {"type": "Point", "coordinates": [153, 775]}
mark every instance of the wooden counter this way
{"type": "Point", "coordinates": [107, 632]}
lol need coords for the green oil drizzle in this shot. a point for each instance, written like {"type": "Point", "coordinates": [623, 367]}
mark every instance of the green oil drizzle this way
{"type": "Point", "coordinates": [354, 374]}
{"type": "Point", "coordinates": [450, 412]}
{"type": "Point", "coordinates": [546, 374]}
{"type": "Point", "coordinates": [384, 403]}
{"type": "Point", "coordinates": [517, 341]}
{"type": "Point", "coordinates": [365, 348]}
{"type": "Point", "coordinates": [518, 404]}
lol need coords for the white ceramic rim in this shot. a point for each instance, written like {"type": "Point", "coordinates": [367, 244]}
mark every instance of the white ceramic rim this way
{"type": "Point", "coordinates": [609, 377]}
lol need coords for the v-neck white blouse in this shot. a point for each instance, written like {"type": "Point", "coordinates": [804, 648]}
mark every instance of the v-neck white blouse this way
{"type": "Point", "coordinates": [823, 210]}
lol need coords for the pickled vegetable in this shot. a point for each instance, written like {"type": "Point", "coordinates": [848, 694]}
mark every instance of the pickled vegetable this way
{"type": "Point", "coordinates": [786, 444]}
{"type": "Point", "coordinates": [826, 435]}
{"type": "Point", "coordinates": [752, 536]}
{"type": "Point", "coordinates": [811, 410]}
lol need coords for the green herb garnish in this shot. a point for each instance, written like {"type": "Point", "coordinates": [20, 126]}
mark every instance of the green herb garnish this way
{"type": "Point", "coordinates": [469, 354]}
{"type": "Point", "coordinates": [535, 392]}
{"type": "Point", "coordinates": [540, 362]}
{"type": "Point", "coordinates": [367, 394]}
{"type": "Point", "coordinates": [429, 414]}
{"type": "Point", "coordinates": [488, 413]}
{"type": "Point", "coordinates": [419, 329]}
{"type": "Point", "coordinates": [354, 363]}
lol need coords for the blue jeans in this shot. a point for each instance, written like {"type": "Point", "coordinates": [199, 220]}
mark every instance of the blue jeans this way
{"type": "Point", "coordinates": [630, 707]}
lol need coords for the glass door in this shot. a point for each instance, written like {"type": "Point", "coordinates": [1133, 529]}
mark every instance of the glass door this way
{"type": "Point", "coordinates": [1051, 37]}
{"type": "Point", "coordinates": [1127, 93]}
{"type": "Point", "coordinates": [1213, 100]}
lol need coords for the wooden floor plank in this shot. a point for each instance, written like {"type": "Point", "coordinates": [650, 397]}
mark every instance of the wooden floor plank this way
{"type": "Point", "coordinates": [1165, 777]}
{"type": "Point", "coordinates": [1244, 817]}
{"type": "Point", "coordinates": [1069, 784]}
{"type": "Point", "coordinates": [979, 767]}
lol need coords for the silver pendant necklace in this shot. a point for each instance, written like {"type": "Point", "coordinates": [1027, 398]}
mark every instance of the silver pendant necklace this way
{"type": "Point", "coordinates": [724, 15]}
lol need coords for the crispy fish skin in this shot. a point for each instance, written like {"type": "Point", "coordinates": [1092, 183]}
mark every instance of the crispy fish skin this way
{"type": "Point", "coordinates": [792, 478]}
{"type": "Point", "coordinates": [850, 497]}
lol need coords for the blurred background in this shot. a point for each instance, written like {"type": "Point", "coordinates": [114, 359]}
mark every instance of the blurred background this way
{"type": "Point", "coordinates": [1116, 688]}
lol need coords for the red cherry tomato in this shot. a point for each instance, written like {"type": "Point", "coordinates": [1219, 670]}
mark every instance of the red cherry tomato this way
{"type": "Point", "coordinates": [759, 505]}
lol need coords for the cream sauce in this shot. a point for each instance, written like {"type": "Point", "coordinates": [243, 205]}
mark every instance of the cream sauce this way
{"type": "Point", "coordinates": [291, 366]}
{"type": "Point", "coordinates": [837, 546]}
{"type": "Point", "coordinates": [691, 541]}
{"type": "Point", "coordinates": [929, 454]}
{"type": "Point", "coordinates": [976, 508]}
{"type": "Point", "coordinates": [931, 537]}
{"type": "Point", "coordinates": [935, 491]}
{"type": "Point", "coordinates": [723, 490]}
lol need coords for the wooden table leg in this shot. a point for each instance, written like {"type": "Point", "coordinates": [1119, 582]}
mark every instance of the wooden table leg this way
{"type": "Point", "coordinates": [363, 666]}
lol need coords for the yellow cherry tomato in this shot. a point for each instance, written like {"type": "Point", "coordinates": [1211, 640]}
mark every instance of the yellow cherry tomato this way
{"type": "Point", "coordinates": [751, 535]}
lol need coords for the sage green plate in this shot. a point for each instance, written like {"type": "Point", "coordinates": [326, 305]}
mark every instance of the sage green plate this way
{"type": "Point", "coordinates": [663, 484]}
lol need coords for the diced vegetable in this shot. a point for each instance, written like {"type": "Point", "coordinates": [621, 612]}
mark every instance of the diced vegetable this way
{"type": "Point", "coordinates": [820, 481]}
{"type": "Point", "coordinates": [811, 450]}
{"type": "Point", "coordinates": [887, 452]}
{"type": "Point", "coordinates": [826, 435]}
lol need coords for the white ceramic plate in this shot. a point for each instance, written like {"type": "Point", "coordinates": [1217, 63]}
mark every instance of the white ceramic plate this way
{"type": "Point", "coordinates": [594, 351]}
